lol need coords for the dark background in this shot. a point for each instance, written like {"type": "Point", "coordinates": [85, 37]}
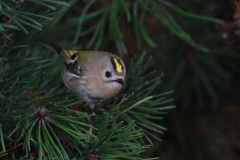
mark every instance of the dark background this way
{"type": "Point", "coordinates": [205, 123]}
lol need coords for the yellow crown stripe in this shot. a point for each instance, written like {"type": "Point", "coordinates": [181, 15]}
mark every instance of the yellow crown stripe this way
{"type": "Point", "coordinates": [118, 65]}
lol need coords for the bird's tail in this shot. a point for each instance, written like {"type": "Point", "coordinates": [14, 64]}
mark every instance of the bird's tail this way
{"type": "Point", "coordinates": [68, 56]}
{"type": "Point", "coordinates": [52, 47]}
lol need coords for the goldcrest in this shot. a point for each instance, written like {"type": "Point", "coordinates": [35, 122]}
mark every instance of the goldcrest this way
{"type": "Point", "coordinates": [93, 76]}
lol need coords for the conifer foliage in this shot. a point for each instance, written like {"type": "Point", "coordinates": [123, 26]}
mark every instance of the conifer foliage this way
{"type": "Point", "coordinates": [40, 120]}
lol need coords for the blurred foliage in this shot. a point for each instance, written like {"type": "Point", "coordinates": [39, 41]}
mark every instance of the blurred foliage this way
{"type": "Point", "coordinates": [205, 129]}
{"type": "Point", "coordinates": [108, 19]}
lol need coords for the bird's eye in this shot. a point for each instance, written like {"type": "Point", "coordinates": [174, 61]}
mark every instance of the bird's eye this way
{"type": "Point", "coordinates": [108, 74]}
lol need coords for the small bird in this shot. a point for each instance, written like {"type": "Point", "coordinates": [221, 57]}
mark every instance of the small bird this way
{"type": "Point", "coordinates": [94, 76]}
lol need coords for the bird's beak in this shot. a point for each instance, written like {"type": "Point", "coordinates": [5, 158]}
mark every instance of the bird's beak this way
{"type": "Point", "coordinates": [121, 81]}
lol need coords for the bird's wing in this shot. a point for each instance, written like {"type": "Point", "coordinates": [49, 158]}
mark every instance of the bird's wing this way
{"type": "Point", "coordinates": [70, 75]}
{"type": "Point", "coordinates": [69, 57]}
